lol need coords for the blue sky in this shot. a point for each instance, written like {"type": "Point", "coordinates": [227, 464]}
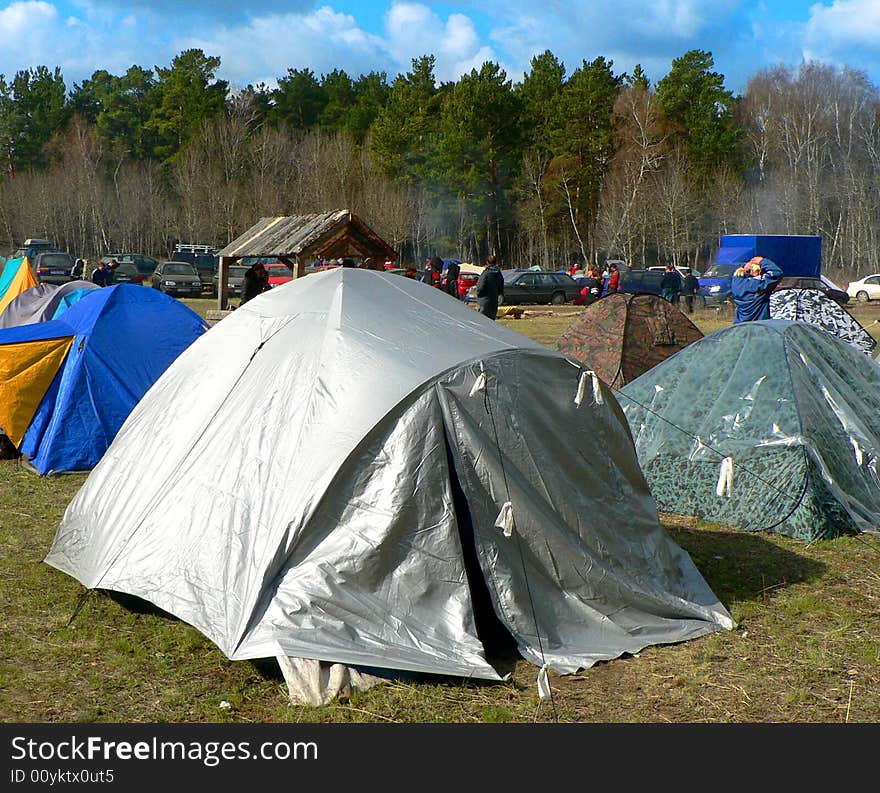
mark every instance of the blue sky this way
{"type": "Point", "coordinates": [258, 40]}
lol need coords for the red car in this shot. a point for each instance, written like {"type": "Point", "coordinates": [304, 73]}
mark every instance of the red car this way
{"type": "Point", "coordinates": [278, 274]}
{"type": "Point", "coordinates": [465, 282]}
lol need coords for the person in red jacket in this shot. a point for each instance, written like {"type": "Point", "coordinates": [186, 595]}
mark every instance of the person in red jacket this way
{"type": "Point", "coordinates": [613, 284]}
{"type": "Point", "coordinates": [433, 275]}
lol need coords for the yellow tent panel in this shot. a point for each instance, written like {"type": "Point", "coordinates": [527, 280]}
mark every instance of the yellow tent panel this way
{"type": "Point", "coordinates": [26, 372]}
{"type": "Point", "coordinates": [24, 279]}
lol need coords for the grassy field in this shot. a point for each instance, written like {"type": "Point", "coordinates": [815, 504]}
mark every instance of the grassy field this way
{"type": "Point", "coordinates": [806, 647]}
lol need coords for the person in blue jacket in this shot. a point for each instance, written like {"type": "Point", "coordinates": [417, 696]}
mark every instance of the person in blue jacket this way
{"type": "Point", "coordinates": [751, 287]}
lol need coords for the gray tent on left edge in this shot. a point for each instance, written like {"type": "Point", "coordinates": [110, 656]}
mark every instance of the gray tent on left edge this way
{"type": "Point", "coordinates": [43, 302]}
{"type": "Point", "coordinates": [356, 468]}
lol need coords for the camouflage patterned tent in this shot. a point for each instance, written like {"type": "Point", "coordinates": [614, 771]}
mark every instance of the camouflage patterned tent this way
{"type": "Point", "coordinates": [771, 425]}
{"type": "Point", "coordinates": [622, 336]}
{"type": "Point", "coordinates": [810, 305]}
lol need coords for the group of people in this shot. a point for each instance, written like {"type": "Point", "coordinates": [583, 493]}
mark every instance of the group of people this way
{"type": "Point", "coordinates": [750, 290]}
{"type": "Point", "coordinates": [489, 288]}
{"type": "Point", "coordinates": [674, 286]}
{"type": "Point", "coordinates": [440, 278]}
{"type": "Point", "coordinates": [597, 284]}
{"type": "Point", "coordinates": [103, 275]}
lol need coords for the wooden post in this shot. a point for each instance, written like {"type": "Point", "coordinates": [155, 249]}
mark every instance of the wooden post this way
{"type": "Point", "coordinates": [223, 283]}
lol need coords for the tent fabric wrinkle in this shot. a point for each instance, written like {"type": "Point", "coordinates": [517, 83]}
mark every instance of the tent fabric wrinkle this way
{"type": "Point", "coordinates": [329, 490]}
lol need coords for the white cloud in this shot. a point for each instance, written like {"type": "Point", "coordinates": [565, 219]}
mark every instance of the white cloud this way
{"type": "Point", "coordinates": [413, 30]}
{"type": "Point", "coordinates": [265, 47]}
{"type": "Point", "coordinates": [205, 7]}
{"type": "Point", "coordinates": [258, 43]}
{"type": "Point", "coordinates": [18, 21]}
{"type": "Point", "coordinates": [845, 23]}
{"type": "Point", "coordinates": [626, 32]}
{"type": "Point", "coordinates": [26, 27]}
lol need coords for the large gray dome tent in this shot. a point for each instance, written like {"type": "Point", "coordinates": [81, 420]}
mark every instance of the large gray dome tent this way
{"type": "Point", "coordinates": [311, 477]}
{"type": "Point", "coordinates": [771, 425]}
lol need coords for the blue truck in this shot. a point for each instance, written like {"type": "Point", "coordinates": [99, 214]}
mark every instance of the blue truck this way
{"type": "Point", "coordinates": [797, 255]}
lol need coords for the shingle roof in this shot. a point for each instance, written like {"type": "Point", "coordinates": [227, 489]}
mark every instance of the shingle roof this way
{"type": "Point", "coordinates": [328, 233]}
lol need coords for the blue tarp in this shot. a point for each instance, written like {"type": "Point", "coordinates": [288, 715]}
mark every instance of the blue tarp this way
{"type": "Point", "coordinates": [125, 337]}
{"type": "Point", "coordinates": [70, 299]}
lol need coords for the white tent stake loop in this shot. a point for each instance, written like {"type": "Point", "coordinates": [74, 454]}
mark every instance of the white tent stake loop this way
{"type": "Point", "coordinates": [505, 521]}
{"type": "Point", "coordinates": [543, 683]}
{"type": "Point", "coordinates": [724, 487]}
{"type": "Point", "coordinates": [582, 388]}
{"type": "Point", "coordinates": [480, 382]}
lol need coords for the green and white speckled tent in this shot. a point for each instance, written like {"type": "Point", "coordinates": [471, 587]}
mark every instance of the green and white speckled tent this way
{"type": "Point", "coordinates": [771, 425]}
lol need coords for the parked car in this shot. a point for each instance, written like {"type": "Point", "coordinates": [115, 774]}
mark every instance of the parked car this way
{"type": "Point", "coordinates": [177, 278]}
{"type": "Point", "coordinates": [642, 281]}
{"type": "Point", "coordinates": [798, 282]}
{"type": "Point", "coordinates": [54, 267]}
{"type": "Point", "coordinates": [537, 286]}
{"type": "Point", "coordinates": [406, 272]}
{"type": "Point", "coordinates": [319, 268]}
{"type": "Point", "coordinates": [465, 282]}
{"type": "Point", "coordinates": [127, 273]}
{"type": "Point", "coordinates": [34, 247]}
{"type": "Point", "coordinates": [278, 274]}
{"type": "Point", "coordinates": [203, 257]}
{"type": "Point", "coordinates": [234, 280]}
{"type": "Point", "coordinates": [682, 271]}
{"type": "Point", "coordinates": [865, 289]}
{"type": "Point", "coordinates": [144, 264]}
{"type": "Point", "coordinates": [715, 283]}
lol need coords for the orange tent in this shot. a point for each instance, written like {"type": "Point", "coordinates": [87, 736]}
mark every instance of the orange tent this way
{"type": "Point", "coordinates": [17, 276]}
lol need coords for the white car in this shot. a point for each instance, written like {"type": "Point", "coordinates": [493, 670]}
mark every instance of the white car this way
{"type": "Point", "coordinates": [682, 271]}
{"type": "Point", "coordinates": [868, 288]}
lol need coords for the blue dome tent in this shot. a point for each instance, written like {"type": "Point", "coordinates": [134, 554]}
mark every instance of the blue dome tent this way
{"type": "Point", "coordinates": [67, 385]}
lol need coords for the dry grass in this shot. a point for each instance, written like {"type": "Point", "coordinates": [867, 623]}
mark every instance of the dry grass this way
{"type": "Point", "coordinates": [806, 649]}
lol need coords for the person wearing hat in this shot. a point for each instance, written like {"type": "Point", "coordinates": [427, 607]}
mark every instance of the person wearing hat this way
{"type": "Point", "coordinates": [751, 286]}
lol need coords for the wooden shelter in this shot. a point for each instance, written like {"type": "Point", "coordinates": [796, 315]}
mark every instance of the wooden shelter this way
{"type": "Point", "coordinates": [295, 239]}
